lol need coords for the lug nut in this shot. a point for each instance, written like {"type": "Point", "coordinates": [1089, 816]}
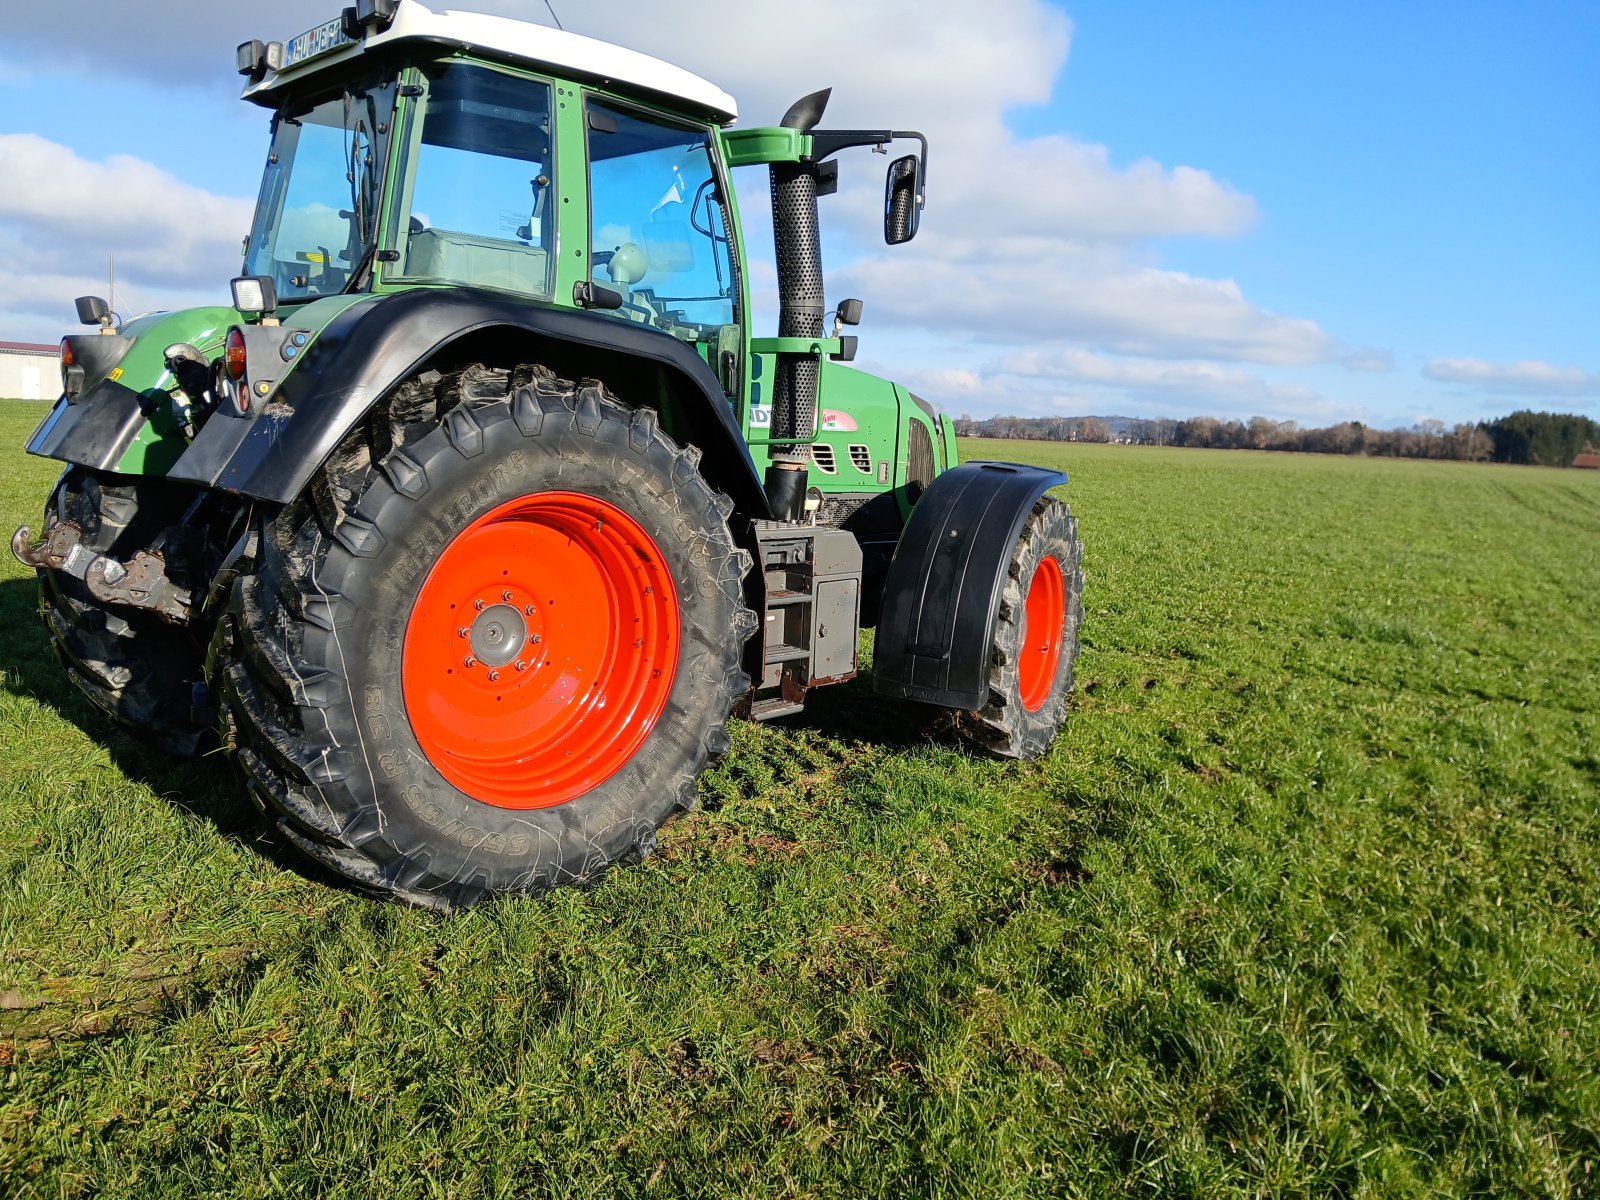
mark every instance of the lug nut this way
{"type": "Point", "coordinates": [469, 661]}
{"type": "Point", "coordinates": [506, 595]}
{"type": "Point", "coordinates": [493, 675]}
{"type": "Point", "coordinates": [463, 631]}
{"type": "Point", "coordinates": [478, 604]}
{"type": "Point", "coordinates": [521, 666]}
{"type": "Point", "coordinates": [528, 608]}
{"type": "Point", "coordinates": [534, 639]}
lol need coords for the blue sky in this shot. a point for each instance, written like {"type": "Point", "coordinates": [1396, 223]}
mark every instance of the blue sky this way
{"type": "Point", "coordinates": [1371, 211]}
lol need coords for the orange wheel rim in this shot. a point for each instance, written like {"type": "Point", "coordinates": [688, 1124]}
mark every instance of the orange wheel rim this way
{"type": "Point", "coordinates": [1041, 633]}
{"type": "Point", "coordinates": [541, 650]}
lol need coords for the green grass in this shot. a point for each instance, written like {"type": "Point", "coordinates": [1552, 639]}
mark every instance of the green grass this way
{"type": "Point", "coordinates": [1304, 903]}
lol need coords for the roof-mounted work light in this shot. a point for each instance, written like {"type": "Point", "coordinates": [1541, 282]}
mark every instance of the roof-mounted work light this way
{"type": "Point", "coordinates": [251, 59]}
{"type": "Point", "coordinates": [376, 15]}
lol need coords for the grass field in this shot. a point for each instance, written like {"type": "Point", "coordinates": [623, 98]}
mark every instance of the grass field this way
{"type": "Point", "coordinates": [1304, 903]}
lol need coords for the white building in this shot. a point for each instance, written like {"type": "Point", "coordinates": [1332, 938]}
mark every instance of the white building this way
{"type": "Point", "coordinates": [29, 371]}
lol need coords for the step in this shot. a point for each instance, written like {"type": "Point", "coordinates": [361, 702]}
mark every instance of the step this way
{"type": "Point", "coordinates": [775, 706]}
{"type": "Point", "coordinates": [779, 652]}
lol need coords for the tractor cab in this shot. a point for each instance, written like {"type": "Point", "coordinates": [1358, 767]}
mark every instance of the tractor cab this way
{"type": "Point", "coordinates": [412, 149]}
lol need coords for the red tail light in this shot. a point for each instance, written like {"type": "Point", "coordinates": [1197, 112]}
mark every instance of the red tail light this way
{"type": "Point", "coordinates": [71, 372]}
{"type": "Point", "coordinates": [233, 354]}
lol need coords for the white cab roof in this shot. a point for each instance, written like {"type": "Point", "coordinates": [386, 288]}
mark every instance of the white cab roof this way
{"type": "Point", "coordinates": [536, 46]}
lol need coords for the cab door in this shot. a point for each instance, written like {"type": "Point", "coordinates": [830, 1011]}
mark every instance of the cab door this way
{"type": "Point", "coordinates": [659, 232]}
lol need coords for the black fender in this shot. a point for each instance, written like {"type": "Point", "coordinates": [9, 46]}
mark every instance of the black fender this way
{"type": "Point", "coordinates": [370, 348]}
{"type": "Point", "coordinates": [94, 430]}
{"type": "Point", "coordinates": [943, 590]}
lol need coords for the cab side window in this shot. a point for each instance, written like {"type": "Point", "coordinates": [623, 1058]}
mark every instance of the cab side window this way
{"type": "Point", "coordinates": [657, 234]}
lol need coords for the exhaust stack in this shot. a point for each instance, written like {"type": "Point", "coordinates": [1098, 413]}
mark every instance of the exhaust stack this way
{"type": "Point", "coordinates": [798, 251]}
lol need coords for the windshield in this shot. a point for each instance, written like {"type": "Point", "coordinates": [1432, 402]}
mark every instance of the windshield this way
{"type": "Point", "coordinates": [317, 215]}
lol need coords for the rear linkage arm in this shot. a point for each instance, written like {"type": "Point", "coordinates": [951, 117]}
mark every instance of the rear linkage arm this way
{"type": "Point", "coordinates": [141, 582]}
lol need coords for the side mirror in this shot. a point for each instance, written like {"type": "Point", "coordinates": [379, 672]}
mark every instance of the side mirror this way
{"type": "Point", "coordinates": [902, 200]}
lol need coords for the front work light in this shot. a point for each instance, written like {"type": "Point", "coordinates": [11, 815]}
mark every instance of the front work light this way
{"type": "Point", "coordinates": [254, 295]}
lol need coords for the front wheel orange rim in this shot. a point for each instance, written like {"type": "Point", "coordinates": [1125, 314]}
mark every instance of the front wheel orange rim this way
{"type": "Point", "coordinates": [1043, 620]}
{"type": "Point", "coordinates": [541, 650]}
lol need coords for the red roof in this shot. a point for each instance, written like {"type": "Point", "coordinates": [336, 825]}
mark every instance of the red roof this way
{"type": "Point", "coordinates": [1587, 460]}
{"type": "Point", "coordinates": [30, 348]}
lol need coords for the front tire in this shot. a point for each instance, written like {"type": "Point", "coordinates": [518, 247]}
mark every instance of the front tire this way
{"type": "Point", "coordinates": [1035, 639]}
{"type": "Point", "coordinates": [413, 728]}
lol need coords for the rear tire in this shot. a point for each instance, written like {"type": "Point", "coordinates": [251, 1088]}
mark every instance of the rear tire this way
{"type": "Point", "coordinates": [359, 723]}
{"type": "Point", "coordinates": [136, 668]}
{"type": "Point", "coordinates": [1035, 639]}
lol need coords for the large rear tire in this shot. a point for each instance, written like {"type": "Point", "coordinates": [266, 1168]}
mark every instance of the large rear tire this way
{"type": "Point", "coordinates": [136, 668]}
{"type": "Point", "coordinates": [1035, 639]}
{"type": "Point", "coordinates": [494, 646]}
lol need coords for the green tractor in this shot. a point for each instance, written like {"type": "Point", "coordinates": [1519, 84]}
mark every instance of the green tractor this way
{"type": "Point", "coordinates": [474, 517]}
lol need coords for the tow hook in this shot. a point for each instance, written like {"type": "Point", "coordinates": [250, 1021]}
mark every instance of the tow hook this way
{"type": "Point", "coordinates": [141, 582]}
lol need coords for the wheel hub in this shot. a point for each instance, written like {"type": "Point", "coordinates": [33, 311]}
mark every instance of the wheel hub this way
{"type": "Point", "coordinates": [541, 649]}
{"type": "Point", "coordinates": [498, 635]}
{"type": "Point", "coordinates": [1043, 620]}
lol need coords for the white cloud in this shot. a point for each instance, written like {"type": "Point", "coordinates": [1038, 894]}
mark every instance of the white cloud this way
{"type": "Point", "coordinates": [62, 216]}
{"type": "Point", "coordinates": [1076, 382]}
{"type": "Point", "coordinates": [1143, 375]}
{"type": "Point", "coordinates": [1057, 292]}
{"type": "Point", "coordinates": [167, 222]}
{"type": "Point", "coordinates": [1024, 238]}
{"type": "Point", "coordinates": [1528, 378]}
{"type": "Point", "coordinates": [1036, 241]}
{"type": "Point", "coordinates": [176, 42]}
{"type": "Point", "coordinates": [1366, 358]}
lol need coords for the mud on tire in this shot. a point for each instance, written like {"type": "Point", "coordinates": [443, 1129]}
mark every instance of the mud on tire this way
{"type": "Point", "coordinates": [1031, 656]}
{"type": "Point", "coordinates": [133, 666]}
{"type": "Point", "coordinates": [321, 656]}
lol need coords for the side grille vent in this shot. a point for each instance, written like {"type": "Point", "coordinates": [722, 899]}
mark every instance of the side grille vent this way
{"type": "Point", "coordinates": [919, 467]}
{"type": "Point", "coordinates": [822, 458]}
{"type": "Point", "coordinates": [861, 458]}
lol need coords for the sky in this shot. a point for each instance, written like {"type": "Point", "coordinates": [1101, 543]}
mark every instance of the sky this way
{"type": "Point", "coordinates": [1365, 211]}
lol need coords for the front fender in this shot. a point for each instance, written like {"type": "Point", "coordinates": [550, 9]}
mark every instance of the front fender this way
{"type": "Point", "coordinates": [371, 347]}
{"type": "Point", "coordinates": [944, 585]}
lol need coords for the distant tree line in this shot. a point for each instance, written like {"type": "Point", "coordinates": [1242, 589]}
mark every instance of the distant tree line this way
{"type": "Point", "coordinates": [1546, 439]}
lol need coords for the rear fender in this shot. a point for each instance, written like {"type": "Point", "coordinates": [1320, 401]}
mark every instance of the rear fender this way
{"type": "Point", "coordinates": [943, 590]}
{"type": "Point", "coordinates": [368, 349]}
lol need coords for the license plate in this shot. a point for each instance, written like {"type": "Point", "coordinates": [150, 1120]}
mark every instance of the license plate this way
{"type": "Point", "coordinates": [325, 37]}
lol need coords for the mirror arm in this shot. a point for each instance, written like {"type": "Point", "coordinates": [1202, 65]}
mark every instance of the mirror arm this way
{"type": "Point", "coordinates": [827, 142]}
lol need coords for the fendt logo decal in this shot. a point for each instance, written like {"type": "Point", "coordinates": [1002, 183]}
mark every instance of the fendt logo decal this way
{"type": "Point", "coordinates": [833, 419]}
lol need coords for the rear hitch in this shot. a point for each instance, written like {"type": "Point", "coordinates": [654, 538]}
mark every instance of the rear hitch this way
{"type": "Point", "coordinates": [141, 582]}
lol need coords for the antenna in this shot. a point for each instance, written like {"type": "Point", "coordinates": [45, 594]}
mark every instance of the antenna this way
{"type": "Point", "coordinates": [553, 16]}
